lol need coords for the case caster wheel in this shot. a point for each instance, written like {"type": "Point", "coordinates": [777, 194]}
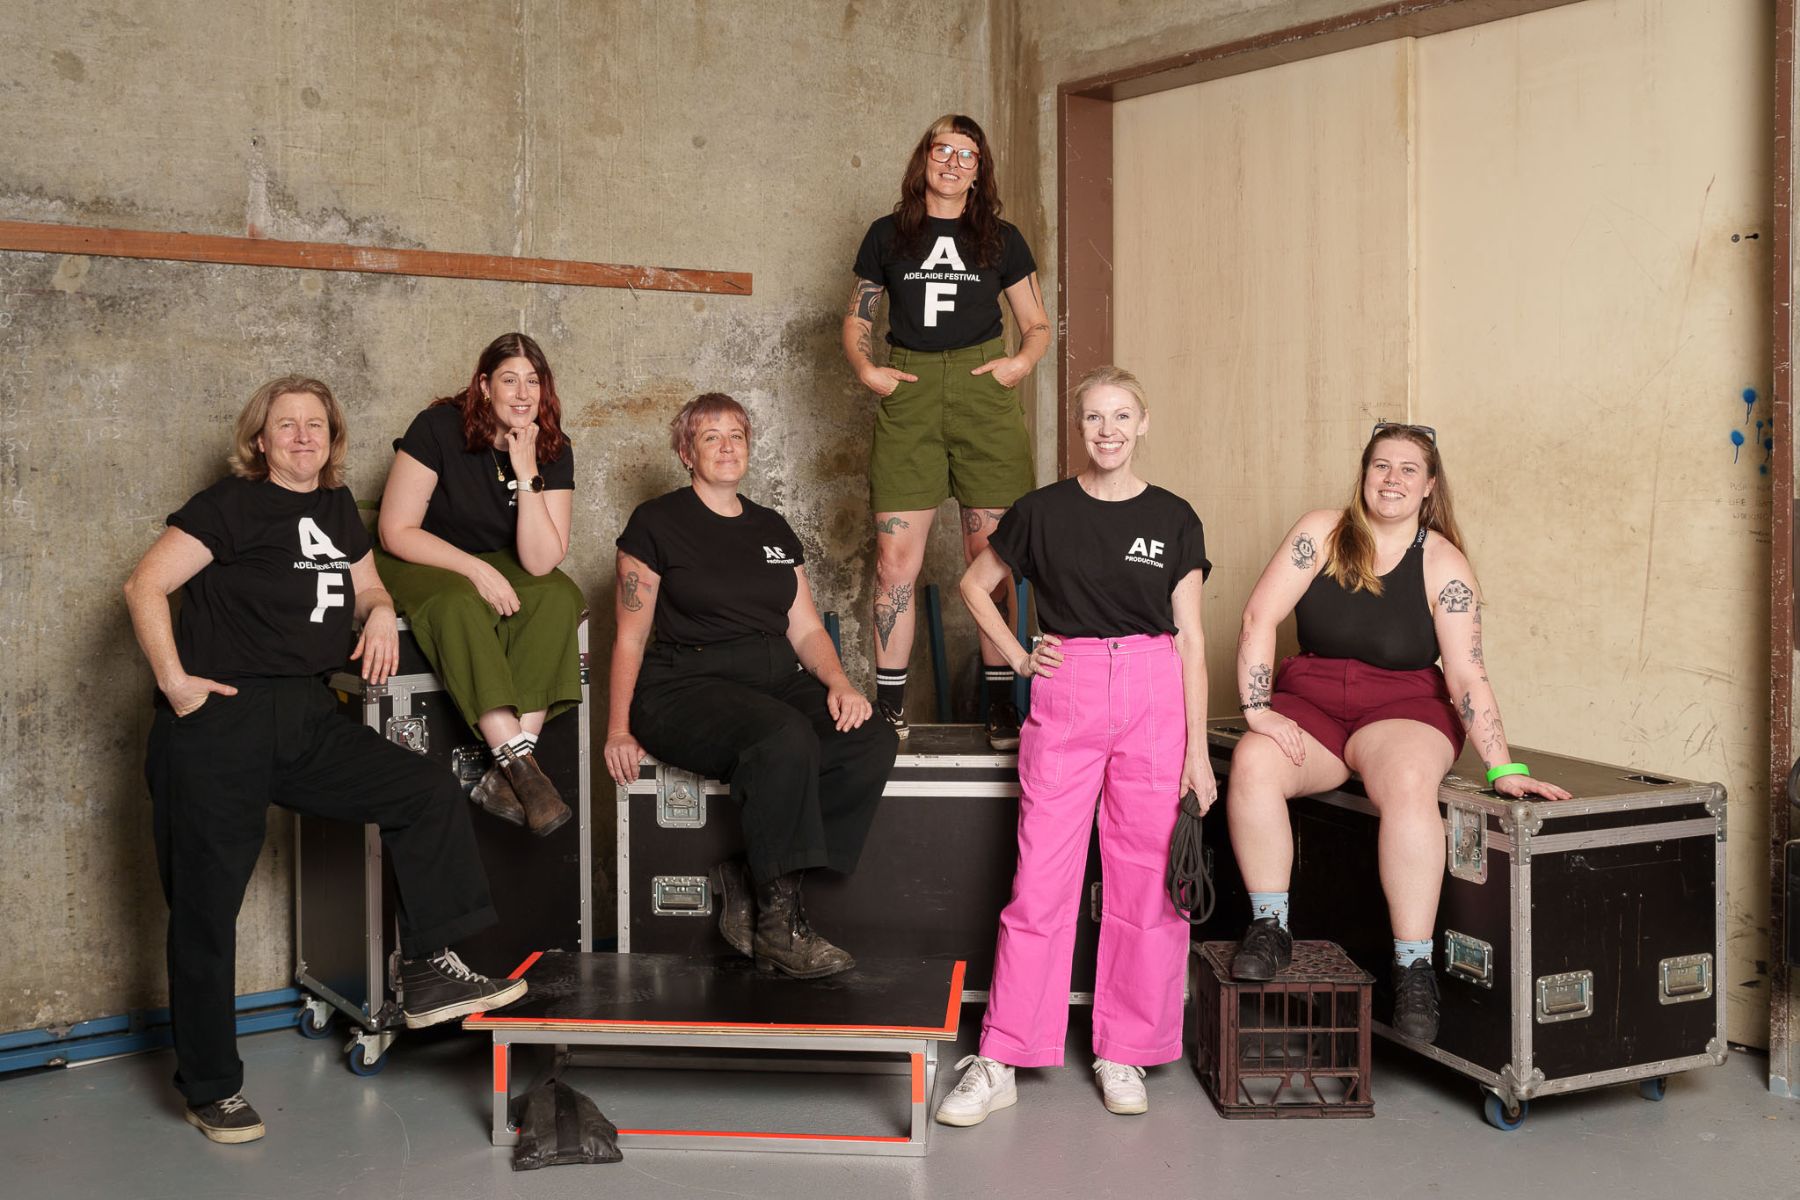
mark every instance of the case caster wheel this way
{"type": "Point", "coordinates": [316, 1018]}
{"type": "Point", "coordinates": [1653, 1089]}
{"type": "Point", "coordinates": [1500, 1116]}
{"type": "Point", "coordinates": [360, 1062]}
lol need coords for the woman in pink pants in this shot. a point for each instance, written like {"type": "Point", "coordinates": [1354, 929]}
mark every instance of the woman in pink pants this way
{"type": "Point", "coordinates": [1118, 711]}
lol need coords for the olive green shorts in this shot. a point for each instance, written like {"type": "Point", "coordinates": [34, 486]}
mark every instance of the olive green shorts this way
{"type": "Point", "coordinates": [949, 434]}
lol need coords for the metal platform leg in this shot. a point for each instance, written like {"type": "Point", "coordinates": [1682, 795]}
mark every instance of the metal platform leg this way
{"type": "Point", "coordinates": [504, 1133]}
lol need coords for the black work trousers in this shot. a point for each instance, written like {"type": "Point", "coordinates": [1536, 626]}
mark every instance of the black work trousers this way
{"type": "Point", "coordinates": [213, 775]}
{"type": "Point", "coordinates": [744, 712]}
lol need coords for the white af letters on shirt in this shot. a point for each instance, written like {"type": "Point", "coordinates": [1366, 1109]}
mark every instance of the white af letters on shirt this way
{"type": "Point", "coordinates": [315, 545]}
{"type": "Point", "coordinates": [1149, 549]}
{"type": "Point", "coordinates": [941, 297]}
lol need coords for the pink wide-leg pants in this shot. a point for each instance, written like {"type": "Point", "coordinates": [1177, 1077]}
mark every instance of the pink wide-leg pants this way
{"type": "Point", "coordinates": [1110, 723]}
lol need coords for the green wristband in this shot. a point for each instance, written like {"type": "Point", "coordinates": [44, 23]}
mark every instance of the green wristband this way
{"type": "Point", "coordinates": [1507, 769]}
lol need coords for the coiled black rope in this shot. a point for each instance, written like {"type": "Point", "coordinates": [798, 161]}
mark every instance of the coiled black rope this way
{"type": "Point", "coordinates": [1190, 875]}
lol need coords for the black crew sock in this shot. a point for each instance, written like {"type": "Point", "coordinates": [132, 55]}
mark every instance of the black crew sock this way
{"type": "Point", "coordinates": [890, 688]}
{"type": "Point", "coordinates": [999, 684]}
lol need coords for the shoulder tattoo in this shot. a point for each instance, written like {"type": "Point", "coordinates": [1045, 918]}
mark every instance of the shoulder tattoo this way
{"type": "Point", "coordinates": [1457, 597]}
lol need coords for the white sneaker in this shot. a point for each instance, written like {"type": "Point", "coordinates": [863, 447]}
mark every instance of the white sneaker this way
{"type": "Point", "coordinates": [1122, 1087]}
{"type": "Point", "coordinates": [985, 1086]}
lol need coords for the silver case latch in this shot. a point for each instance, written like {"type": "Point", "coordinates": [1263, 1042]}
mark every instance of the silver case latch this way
{"type": "Point", "coordinates": [1568, 996]}
{"type": "Point", "coordinates": [1468, 958]}
{"type": "Point", "coordinates": [1688, 977]}
{"type": "Point", "coordinates": [1467, 843]}
{"type": "Point", "coordinates": [680, 896]}
{"type": "Point", "coordinates": [680, 799]}
{"type": "Point", "coordinates": [409, 732]}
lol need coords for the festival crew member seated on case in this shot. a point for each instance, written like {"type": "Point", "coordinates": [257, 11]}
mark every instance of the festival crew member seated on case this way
{"type": "Point", "coordinates": [1380, 592]}
{"type": "Point", "coordinates": [742, 684]}
{"type": "Point", "coordinates": [1118, 711]}
{"type": "Point", "coordinates": [474, 521]}
{"type": "Point", "coordinates": [273, 565]}
{"type": "Point", "coordinates": [948, 422]}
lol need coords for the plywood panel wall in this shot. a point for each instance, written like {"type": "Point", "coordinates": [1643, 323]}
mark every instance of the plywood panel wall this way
{"type": "Point", "coordinates": [1593, 345]}
{"type": "Point", "coordinates": [1262, 277]}
{"type": "Point", "coordinates": [1547, 236]}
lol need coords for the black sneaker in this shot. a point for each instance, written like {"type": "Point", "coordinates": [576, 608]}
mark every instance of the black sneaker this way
{"type": "Point", "coordinates": [1003, 725]}
{"type": "Point", "coordinates": [441, 988]}
{"type": "Point", "coordinates": [1263, 952]}
{"type": "Point", "coordinates": [1416, 1001]}
{"type": "Point", "coordinates": [230, 1120]}
{"type": "Point", "coordinates": [895, 718]}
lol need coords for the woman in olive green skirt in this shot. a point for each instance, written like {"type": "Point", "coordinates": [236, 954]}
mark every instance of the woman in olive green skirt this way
{"type": "Point", "coordinates": [474, 521]}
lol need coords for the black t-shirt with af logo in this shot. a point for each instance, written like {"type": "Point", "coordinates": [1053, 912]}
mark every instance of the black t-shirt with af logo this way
{"type": "Point", "coordinates": [1102, 568]}
{"type": "Point", "coordinates": [277, 598]}
{"type": "Point", "coordinates": [939, 297]}
{"type": "Point", "coordinates": [472, 507]}
{"type": "Point", "coordinates": [722, 577]}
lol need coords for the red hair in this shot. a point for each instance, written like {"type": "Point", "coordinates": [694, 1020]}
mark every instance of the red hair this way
{"type": "Point", "coordinates": [478, 415]}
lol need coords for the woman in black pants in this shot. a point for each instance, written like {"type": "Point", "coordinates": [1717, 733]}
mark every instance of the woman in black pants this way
{"type": "Point", "coordinates": [743, 684]}
{"type": "Point", "coordinates": [272, 563]}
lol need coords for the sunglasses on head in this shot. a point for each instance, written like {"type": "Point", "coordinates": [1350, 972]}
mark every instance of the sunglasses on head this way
{"type": "Point", "coordinates": [1425, 431]}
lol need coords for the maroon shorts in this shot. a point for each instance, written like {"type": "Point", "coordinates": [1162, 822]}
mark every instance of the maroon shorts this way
{"type": "Point", "coordinates": [1332, 698]}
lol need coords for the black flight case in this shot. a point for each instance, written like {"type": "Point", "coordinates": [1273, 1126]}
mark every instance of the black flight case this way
{"type": "Point", "coordinates": [1581, 942]}
{"type": "Point", "coordinates": [935, 873]}
{"type": "Point", "coordinates": [346, 949]}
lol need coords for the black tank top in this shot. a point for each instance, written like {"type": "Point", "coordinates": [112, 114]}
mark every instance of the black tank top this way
{"type": "Point", "coordinates": [1392, 631]}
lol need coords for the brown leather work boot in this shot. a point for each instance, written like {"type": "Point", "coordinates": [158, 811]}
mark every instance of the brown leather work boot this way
{"type": "Point", "coordinates": [545, 811]}
{"type": "Point", "coordinates": [784, 941]}
{"type": "Point", "coordinates": [494, 796]}
{"type": "Point", "coordinates": [737, 905]}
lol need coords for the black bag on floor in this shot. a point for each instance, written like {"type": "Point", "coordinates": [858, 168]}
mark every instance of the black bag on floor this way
{"type": "Point", "coordinates": [559, 1125]}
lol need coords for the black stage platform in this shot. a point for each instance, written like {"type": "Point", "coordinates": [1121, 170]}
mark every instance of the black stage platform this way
{"type": "Point", "coordinates": [884, 1008]}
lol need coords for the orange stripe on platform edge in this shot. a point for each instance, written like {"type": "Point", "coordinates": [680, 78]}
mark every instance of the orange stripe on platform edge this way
{"type": "Point", "coordinates": [500, 1057]}
{"type": "Point", "coordinates": [526, 965]}
{"type": "Point", "coordinates": [953, 1009]}
{"type": "Point", "coordinates": [918, 1074]}
{"type": "Point", "coordinates": [733, 1133]}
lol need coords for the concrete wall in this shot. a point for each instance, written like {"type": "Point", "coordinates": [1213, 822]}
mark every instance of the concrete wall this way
{"type": "Point", "coordinates": [755, 135]}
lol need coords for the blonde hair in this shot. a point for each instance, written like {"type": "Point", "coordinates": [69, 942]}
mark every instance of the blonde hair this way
{"type": "Point", "coordinates": [1107, 376]}
{"type": "Point", "coordinates": [1350, 550]}
{"type": "Point", "coordinates": [248, 462]}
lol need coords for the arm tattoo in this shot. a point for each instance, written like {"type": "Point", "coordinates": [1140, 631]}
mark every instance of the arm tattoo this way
{"type": "Point", "coordinates": [862, 344]}
{"type": "Point", "coordinates": [1475, 655]}
{"type": "Point", "coordinates": [862, 300]}
{"type": "Point", "coordinates": [628, 592]}
{"type": "Point", "coordinates": [1305, 551]}
{"type": "Point", "coordinates": [1260, 680]}
{"type": "Point", "coordinates": [888, 611]}
{"type": "Point", "coordinates": [1457, 597]}
{"type": "Point", "coordinates": [892, 525]}
{"type": "Point", "coordinates": [1465, 708]}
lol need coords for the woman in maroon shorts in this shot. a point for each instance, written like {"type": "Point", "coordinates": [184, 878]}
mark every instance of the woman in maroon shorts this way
{"type": "Point", "coordinates": [1380, 592]}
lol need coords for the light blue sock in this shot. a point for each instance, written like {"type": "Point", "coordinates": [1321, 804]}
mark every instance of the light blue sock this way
{"type": "Point", "coordinates": [1407, 953]}
{"type": "Point", "coordinates": [1271, 904]}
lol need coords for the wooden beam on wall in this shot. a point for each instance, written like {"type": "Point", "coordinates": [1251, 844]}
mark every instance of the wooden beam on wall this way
{"type": "Point", "coordinates": [1084, 276]}
{"type": "Point", "coordinates": [34, 238]}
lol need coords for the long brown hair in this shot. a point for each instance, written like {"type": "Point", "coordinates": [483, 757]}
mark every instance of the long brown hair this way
{"type": "Point", "coordinates": [1350, 550]}
{"type": "Point", "coordinates": [249, 462]}
{"type": "Point", "coordinates": [980, 221]}
{"type": "Point", "coordinates": [478, 414]}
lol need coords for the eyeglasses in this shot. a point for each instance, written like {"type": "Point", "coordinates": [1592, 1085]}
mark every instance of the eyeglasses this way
{"type": "Point", "coordinates": [1382, 427]}
{"type": "Point", "coordinates": [943, 152]}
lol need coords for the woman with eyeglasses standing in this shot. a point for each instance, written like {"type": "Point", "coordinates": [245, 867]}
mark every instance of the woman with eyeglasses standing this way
{"type": "Point", "coordinates": [1381, 592]}
{"type": "Point", "coordinates": [949, 422]}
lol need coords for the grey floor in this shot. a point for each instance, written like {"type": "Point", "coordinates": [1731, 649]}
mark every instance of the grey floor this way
{"type": "Point", "coordinates": [114, 1129]}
